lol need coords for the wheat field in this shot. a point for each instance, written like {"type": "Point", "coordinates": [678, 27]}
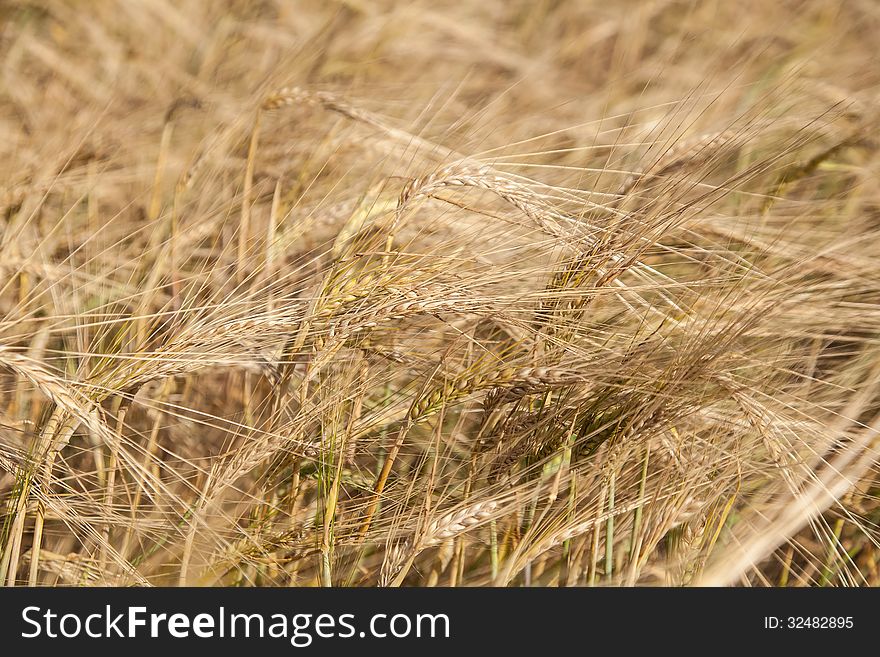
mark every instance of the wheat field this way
{"type": "Point", "coordinates": [411, 293]}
